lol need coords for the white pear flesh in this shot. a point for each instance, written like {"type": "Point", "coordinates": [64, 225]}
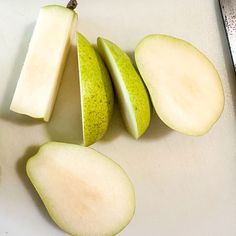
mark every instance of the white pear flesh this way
{"type": "Point", "coordinates": [132, 95]}
{"type": "Point", "coordinates": [40, 77]}
{"type": "Point", "coordinates": [96, 92]}
{"type": "Point", "coordinates": [84, 192]}
{"type": "Point", "coordinates": [184, 85]}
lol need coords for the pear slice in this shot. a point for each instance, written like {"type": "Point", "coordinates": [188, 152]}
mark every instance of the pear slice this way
{"type": "Point", "coordinates": [96, 92]}
{"type": "Point", "coordinates": [40, 77]}
{"type": "Point", "coordinates": [184, 85]}
{"type": "Point", "coordinates": [84, 192]}
{"type": "Point", "coordinates": [132, 94]}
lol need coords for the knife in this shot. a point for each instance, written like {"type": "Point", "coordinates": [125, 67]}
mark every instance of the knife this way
{"type": "Point", "coordinates": [228, 11]}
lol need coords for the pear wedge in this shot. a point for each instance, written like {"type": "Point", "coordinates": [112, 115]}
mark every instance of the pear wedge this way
{"type": "Point", "coordinates": [84, 192]}
{"type": "Point", "coordinates": [41, 74]}
{"type": "Point", "coordinates": [184, 85]}
{"type": "Point", "coordinates": [132, 94]}
{"type": "Point", "coordinates": [96, 92]}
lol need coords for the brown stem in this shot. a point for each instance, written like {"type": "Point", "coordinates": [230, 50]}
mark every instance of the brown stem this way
{"type": "Point", "coordinates": [72, 4]}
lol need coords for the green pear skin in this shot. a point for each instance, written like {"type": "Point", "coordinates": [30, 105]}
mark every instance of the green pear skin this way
{"type": "Point", "coordinates": [184, 85]}
{"type": "Point", "coordinates": [132, 95]}
{"type": "Point", "coordinates": [84, 192]}
{"type": "Point", "coordinates": [97, 97]}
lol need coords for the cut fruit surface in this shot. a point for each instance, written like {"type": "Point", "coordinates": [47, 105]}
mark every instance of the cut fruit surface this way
{"type": "Point", "coordinates": [84, 192]}
{"type": "Point", "coordinates": [132, 94]}
{"type": "Point", "coordinates": [40, 77]}
{"type": "Point", "coordinates": [96, 92]}
{"type": "Point", "coordinates": [184, 85]}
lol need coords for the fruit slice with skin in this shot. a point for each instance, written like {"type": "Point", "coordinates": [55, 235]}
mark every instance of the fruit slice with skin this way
{"type": "Point", "coordinates": [184, 85]}
{"type": "Point", "coordinates": [84, 192]}
{"type": "Point", "coordinates": [40, 77]}
{"type": "Point", "coordinates": [132, 94]}
{"type": "Point", "coordinates": [96, 92]}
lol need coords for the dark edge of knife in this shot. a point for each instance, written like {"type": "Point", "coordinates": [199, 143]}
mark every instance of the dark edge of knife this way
{"type": "Point", "coordinates": [226, 32]}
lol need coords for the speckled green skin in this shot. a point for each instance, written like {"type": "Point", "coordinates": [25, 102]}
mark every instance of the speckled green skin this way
{"type": "Point", "coordinates": [137, 94]}
{"type": "Point", "coordinates": [96, 92]}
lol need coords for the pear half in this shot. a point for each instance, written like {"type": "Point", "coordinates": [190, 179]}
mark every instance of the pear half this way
{"type": "Point", "coordinates": [132, 95]}
{"type": "Point", "coordinates": [84, 192]}
{"type": "Point", "coordinates": [184, 85]}
{"type": "Point", "coordinates": [41, 74]}
{"type": "Point", "coordinates": [96, 92]}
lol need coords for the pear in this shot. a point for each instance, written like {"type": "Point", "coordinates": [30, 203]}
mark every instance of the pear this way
{"type": "Point", "coordinates": [184, 85]}
{"type": "Point", "coordinates": [132, 94]}
{"type": "Point", "coordinates": [96, 92]}
{"type": "Point", "coordinates": [84, 192]}
{"type": "Point", "coordinates": [40, 77]}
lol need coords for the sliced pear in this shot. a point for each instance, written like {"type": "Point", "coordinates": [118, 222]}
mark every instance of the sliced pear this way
{"type": "Point", "coordinates": [84, 192]}
{"type": "Point", "coordinates": [96, 92]}
{"type": "Point", "coordinates": [184, 85]}
{"type": "Point", "coordinates": [132, 94]}
{"type": "Point", "coordinates": [40, 77]}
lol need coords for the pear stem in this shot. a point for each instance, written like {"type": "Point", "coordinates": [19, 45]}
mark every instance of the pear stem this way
{"type": "Point", "coordinates": [72, 4]}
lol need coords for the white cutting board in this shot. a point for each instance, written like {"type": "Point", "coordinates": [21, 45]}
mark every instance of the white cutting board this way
{"type": "Point", "coordinates": [185, 186]}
